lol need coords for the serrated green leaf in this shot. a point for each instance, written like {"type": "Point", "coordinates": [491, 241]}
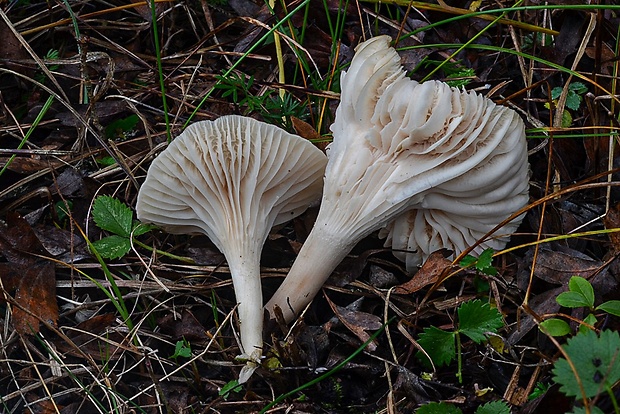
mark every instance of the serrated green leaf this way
{"type": "Point", "coordinates": [467, 261]}
{"type": "Point", "coordinates": [580, 285]}
{"type": "Point", "coordinates": [593, 410]}
{"type": "Point", "coordinates": [578, 88]}
{"type": "Point", "coordinates": [611, 306]}
{"type": "Point", "coordinates": [438, 344]}
{"type": "Point", "coordinates": [555, 327]}
{"type": "Point", "coordinates": [494, 407]}
{"type": "Point", "coordinates": [141, 228]}
{"type": "Point", "coordinates": [112, 215]}
{"type": "Point", "coordinates": [596, 360]}
{"type": "Point", "coordinates": [477, 318]}
{"type": "Point", "coordinates": [572, 300]}
{"type": "Point", "coordinates": [112, 247]}
{"type": "Point", "coordinates": [485, 263]}
{"type": "Point", "coordinates": [573, 101]}
{"type": "Point", "coordinates": [438, 408]}
{"type": "Point", "coordinates": [556, 92]}
{"type": "Point", "coordinates": [590, 320]}
{"type": "Point", "coordinates": [485, 259]}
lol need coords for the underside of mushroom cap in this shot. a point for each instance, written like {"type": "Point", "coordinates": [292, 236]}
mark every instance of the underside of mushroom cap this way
{"type": "Point", "coordinates": [231, 176]}
{"type": "Point", "coordinates": [415, 140]}
{"type": "Point", "coordinates": [455, 157]}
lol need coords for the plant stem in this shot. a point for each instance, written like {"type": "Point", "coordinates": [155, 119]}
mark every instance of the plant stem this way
{"type": "Point", "coordinates": [163, 253]}
{"type": "Point", "coordinates": [159, 69]}
{"type": "Point", "coordinates": [459, 358]}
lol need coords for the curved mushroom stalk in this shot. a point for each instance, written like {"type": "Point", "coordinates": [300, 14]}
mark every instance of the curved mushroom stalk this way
{"type": "Point", "coordinates": [399, 145]}
{"type": "Point", "coordinates": [233, 179]}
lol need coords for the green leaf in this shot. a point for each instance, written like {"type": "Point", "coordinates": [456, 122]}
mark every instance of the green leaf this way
{"type": "Point", "coordinates": [485, 259]}
{"type": "Point", "coordinates": [483, 263]}
{"type": "Point", "coordinates": [476, 318]}
{"type": "Point", "coordinates": [438, 408]}
{"type": "Point", "coordinates": [590, 320]}
{"type": "Point", "coordinates": [121, 126]}
{"type": "Point", "coordinates": [578, 88]}
{"type": "Point", "coordinates": [611, 306]}
{"type": "Point", "coordinates": [593, 410]}
{"type": "Point", "coordinates": [494, 407]}
{"type": "Point", "coordinates": [141, 228]}
{"type": "Point", "coordinates": [556, 92]}
{"type": "Point", "coordinates": [539, 390]}
{"type": "Point", "coordinates": [555, 327]}
{"type": "Point", "coordinates": [182, 349]}
{"type": "Point", "coordinates": [567, 119]}
{"type": "Point", "coordinates": [112, 247]}
{"type": "Point", "coordinates": [112, 215]}
{"type": "Point", "coordinates": [231, 386]}
{"type": "Point", "coordinates": [438, 344]}
{"type": "Point", "coordinates": [106, 161]}
{"type": "Point", "coordinates": [596, 360]}
{"type": "Point", "coordinates": [467, 261]}
{"type": "Point", "coordinates": [63, 208]}
{"type": "Point", "coordinates": [572, 300]}
{"type": "Point", "coordinates": [573, 101]}
{"type": "Point", "coordinates": [580, 285]}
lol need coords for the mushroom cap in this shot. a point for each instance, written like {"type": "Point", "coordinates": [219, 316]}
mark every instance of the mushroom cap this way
{"type": "Point", "coordinates": [402, 145]}
{"type": "Point", "coordinates": [232, 177]}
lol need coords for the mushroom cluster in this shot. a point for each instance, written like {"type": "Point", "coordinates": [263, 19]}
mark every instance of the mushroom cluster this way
{"type": "Point", "coordinates": [233, 179]}
{"type": "Point", "coordinates": [433, 165]}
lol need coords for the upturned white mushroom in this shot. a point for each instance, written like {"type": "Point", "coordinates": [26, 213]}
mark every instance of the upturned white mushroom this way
{"type": "Point", "coordinates": [454, 157]}
{"type": "Point", "coordinates": [233, 179]}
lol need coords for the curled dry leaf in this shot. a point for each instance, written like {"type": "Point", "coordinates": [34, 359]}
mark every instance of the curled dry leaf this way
{"type": "Point", "coordinates": [429, 273]}
{"type": "Point", "coordinates": [357, 321]}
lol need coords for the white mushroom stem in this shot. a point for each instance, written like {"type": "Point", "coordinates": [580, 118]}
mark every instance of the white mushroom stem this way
{"type": "Point", "coordinates": [245, 272]}
{"type": "Point", "coordinates": [321, 253]}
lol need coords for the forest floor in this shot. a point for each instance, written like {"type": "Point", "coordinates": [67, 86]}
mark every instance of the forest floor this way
{"type": "Point", "coordinates": [90, 94]}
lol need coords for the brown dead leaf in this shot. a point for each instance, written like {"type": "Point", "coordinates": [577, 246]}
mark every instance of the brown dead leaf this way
{"type": "Point", "coordinates": [558, 266]}
{"type": "Point", "coordinates": [612, 220]}
{"type": "Point", "coordinates": [30, 277]}
{"type": "Point", "coordinates": [187, 327]}
{"type": "Point", "coordinates": [541, 304]}
{"type": "Point", "coordinates": [357, 321]}
{"type": "Point", "coordinates": [11, 50]}
{"type": "Point", "coordinates": [351, 268]}
{"type": "Point", "coordinates": [429, 273]}
{"type": "Point", "coordinates": [307, 131]}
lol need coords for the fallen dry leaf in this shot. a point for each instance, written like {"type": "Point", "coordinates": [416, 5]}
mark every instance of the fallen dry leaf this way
{"type": "Point", "coordinates": [428, 274]}
{"type": "Point", "coordinates": [612, 220]}
{"type": "Point", "coordinates": [559, 265]}
{"type": "Point", "coordinates": [31, 277]}
{"type": "Point", "coordinates": [357, 322]}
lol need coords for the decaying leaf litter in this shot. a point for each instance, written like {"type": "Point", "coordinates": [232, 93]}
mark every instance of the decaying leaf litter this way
{"type": "Point", "coordinates": [156, 333]}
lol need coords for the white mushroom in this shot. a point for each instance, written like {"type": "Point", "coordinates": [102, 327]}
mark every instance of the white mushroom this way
{"type": "Point", "coordinates": [454, 157]}
{"type": "Point", "coordinates": [233, 179]}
